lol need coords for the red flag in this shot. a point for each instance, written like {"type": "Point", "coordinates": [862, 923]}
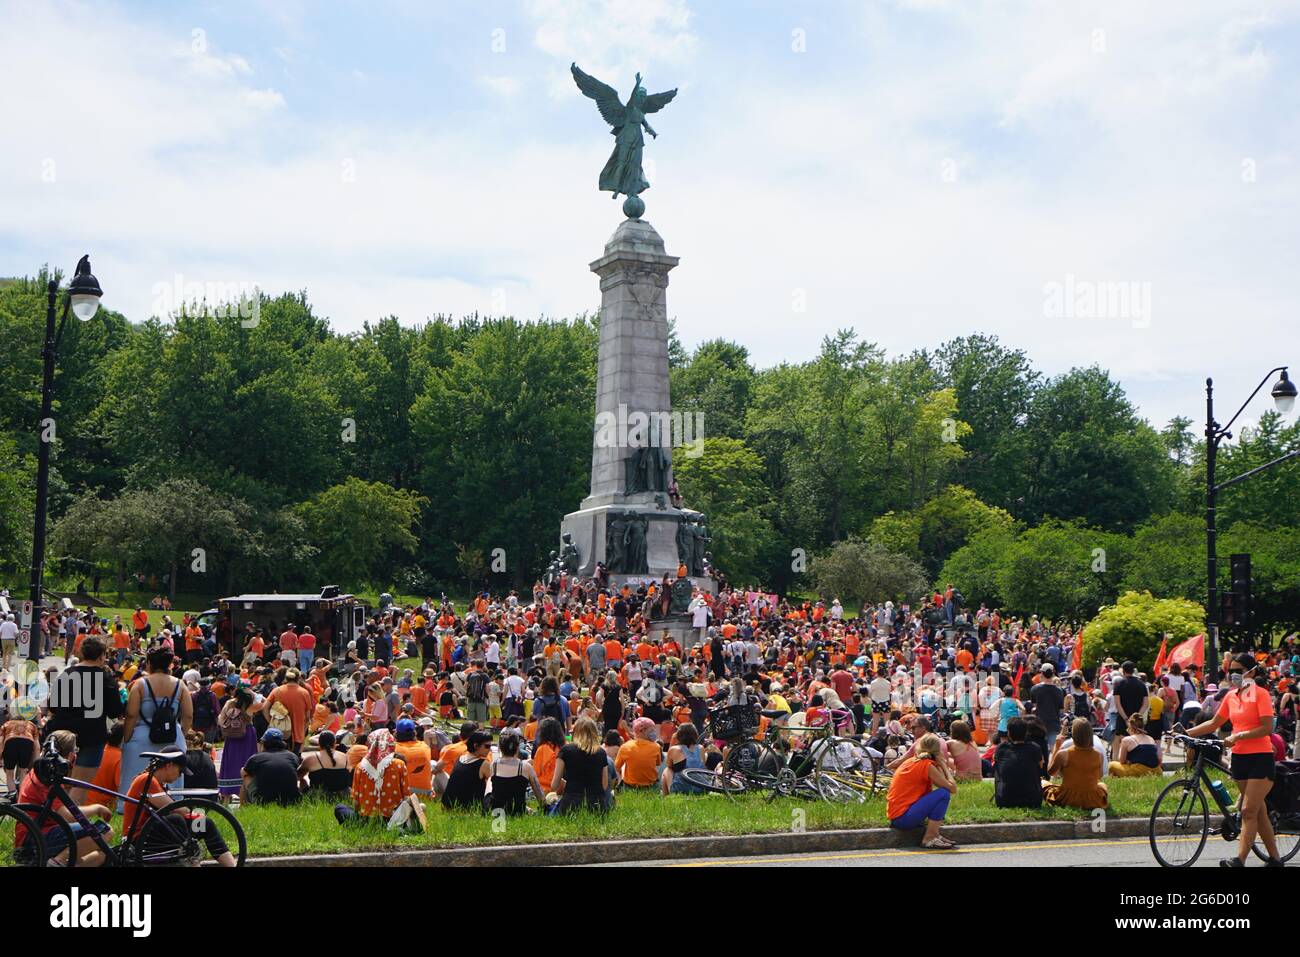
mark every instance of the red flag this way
{"type": "Point", "coordinates": [1076, 656]}
{"type": "Point", "coordinates": [1190, 652]}
{"type": "Point", "coordinates": [1015, 685]}
{"type": "Point", "coordinates": [1160, 658]}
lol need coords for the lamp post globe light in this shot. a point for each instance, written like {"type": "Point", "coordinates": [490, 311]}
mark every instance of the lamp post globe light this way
{"type": "Point", "coordinates": [1284, 396]}
{"type": "Point", "coordinates": [83, 300]}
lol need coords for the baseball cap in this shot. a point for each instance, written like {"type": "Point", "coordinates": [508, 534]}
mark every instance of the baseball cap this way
{"type": "Point", "coordinates": [272, 734]}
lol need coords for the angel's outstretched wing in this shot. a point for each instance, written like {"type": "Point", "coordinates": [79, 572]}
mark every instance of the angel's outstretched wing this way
{"type": "Point", "coordinates": [653, 104]}
{"type": "Point", "coordinates": [606, 97]}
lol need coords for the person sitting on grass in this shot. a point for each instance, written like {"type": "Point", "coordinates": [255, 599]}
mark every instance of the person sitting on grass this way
{"type": "Point", "coordinates": [467, 783]}
{"type": "Point", "coordinates": [686, 753]}
{"type": "Point", "coordinates": [919, 793]}
{"type": "Point", "coordinates": [512, 777]}
{"type": "Point", "coordinates": [581, 776]}
{"type": "Point", "coordinates": [638, 760]}
{"type": "Point", "coordinates": [272, 776]}
{"type": "Point", "coordinates": [1017, 781]}
{"type": "Point", "coordinates": [378, 783]}
{"type": "Point", "coordinates": [33, 791]}
{"type": "Point", "coordinates": [1080, 770]}
{"type": "Point", "coordinates": [168, 772]}
{"type": "Point", "coordinates": [1138, 754]}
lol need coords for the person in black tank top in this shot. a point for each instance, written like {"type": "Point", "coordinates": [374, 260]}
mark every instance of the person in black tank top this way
{"type": "Point", "coordinates": [468, 781]}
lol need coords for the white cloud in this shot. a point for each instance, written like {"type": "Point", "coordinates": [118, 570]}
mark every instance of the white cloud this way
{"type": "Point", "coordinates": [1125, 165]}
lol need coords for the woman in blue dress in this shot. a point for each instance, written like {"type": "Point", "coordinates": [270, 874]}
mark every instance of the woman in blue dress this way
{"type": "Point", "coordinates": [147, 694]}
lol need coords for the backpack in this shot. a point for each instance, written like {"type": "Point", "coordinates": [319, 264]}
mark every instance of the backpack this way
{"type": "Point", "coordinates": [476, 686]}
{"type": "Point", "coordinates": [233, 724]}
{"type": "Point", "coordinates": [551, 707]}
{"type": "Point", "coordinates": [1082, 705]}
{"type": "Point", "coordinates": [280, 719]}
{"type": "Point", "coordinates": [204, 707]}
{"type": "Point", "coordinates": [162, 726]}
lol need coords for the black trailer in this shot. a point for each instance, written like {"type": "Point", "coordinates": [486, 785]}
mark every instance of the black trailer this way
{"type": "Point", "coordinates": [335, 619]}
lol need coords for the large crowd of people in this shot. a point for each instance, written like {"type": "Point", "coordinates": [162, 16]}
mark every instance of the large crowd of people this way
{"type": "Point", "coordinates": [554, 700]}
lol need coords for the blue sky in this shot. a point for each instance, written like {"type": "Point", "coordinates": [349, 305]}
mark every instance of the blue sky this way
{"type": "Point", "coordinates": [915, 169]}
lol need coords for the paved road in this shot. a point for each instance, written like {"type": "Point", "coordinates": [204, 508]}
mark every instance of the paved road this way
{"type": "Point", "coordinates": [1119, 852]}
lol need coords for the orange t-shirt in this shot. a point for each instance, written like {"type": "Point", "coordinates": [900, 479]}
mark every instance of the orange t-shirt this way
{"type": "Point", "coordinates": [1247, 708]}
{"type": "Point", "coordinates": [419, 763]}
{"type": "Point", "coordinates": [136, 791]}
{"type": "Point", "coordinates": [911, 782]}
{"type": "Point", "coordinates": [451, 754]}
{"type": "Point", "coordinates": [110, 770]}
{"type": "Point", "coordinates": [544, 764]}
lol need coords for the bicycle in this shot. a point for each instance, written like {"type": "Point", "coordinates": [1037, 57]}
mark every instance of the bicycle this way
{"type": "Point", "coordinates": [819, 770]}
{"type": "Point", "coordinates": [1180, 819]}
{"type": "Point", "coordinates": [15, 826]}
{"type": "Point", "coordinates": [157, 837]}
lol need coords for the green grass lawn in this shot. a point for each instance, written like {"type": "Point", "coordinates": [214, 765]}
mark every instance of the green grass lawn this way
{"type": "Point", "coordinates": [311, 828]}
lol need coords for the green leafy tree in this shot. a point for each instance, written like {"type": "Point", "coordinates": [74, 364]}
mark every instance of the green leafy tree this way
{"type": "Point", "coordinates": [1088, 456]}
{"type": "Point", "coordinates": [933, 532]}
{"type": "Point", "coordinates": [858, 571]}
{"type": "Point", "coordinates": [978, 569]}
{"type": "Point", "coordinates": [1167, 557]}
{"type": "Point", "coordinates": [726, 483]}
{"type": "Point", "coordinates": [17, 506]}
{"type": "Point", "coordinates": [361, 528]}
{"type": "Point", "coordinates": [1063, 571]}
{"type": "Point", "coordinates": [505, 431]}
{"type": "Point", "coordinates": [994, 386]}
{"type": "Point", "coordinates": [716, 383]}
{"type": "Point", "coordinates": [1132, 628]}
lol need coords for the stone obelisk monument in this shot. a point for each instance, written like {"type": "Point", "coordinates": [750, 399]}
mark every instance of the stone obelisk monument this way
{"type": "Point", "coordinates": [629, 522]}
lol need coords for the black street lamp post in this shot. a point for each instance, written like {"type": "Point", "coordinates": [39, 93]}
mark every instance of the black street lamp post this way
{"type": "Point", "coordinates": [83, 299]}
{"type": "Point", "coordinates": [1284, 395]}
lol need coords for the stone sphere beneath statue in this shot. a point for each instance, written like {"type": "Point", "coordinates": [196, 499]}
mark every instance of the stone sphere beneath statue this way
{"type": "Point", "coordinates": [633, 207]}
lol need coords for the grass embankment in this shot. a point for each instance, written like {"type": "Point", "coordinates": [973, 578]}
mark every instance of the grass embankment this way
{"type": "Point", "coordinates": [311, 828]}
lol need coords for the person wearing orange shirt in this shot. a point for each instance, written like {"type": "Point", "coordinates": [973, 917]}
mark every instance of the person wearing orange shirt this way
{"type": "Point", "coordinates": [297, 700]}
{"type": "Point", "coordinates": [638, 760]}
{"type": "Point", "coordinates": [418, 758]}
{"type": "Point", "coordinates": [169, 772]}
{"type": "Point", "coordinates": [1250, 709]}
{"type": "Point", "coordinates": [613, 653]}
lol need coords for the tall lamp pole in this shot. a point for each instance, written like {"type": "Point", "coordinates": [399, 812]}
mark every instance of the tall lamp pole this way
{"type": "Point", "coordinates": [1284, 395]}
{"type": "Point", "coordinates": [83, 298]}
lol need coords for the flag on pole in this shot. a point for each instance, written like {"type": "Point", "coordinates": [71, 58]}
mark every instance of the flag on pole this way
{"type": "Point", "coordinates": [1015, 685]}
{"type": "Point", "coordinates": [1190, 652]}
{"type": "Point", "coordinates": [1160, 658]}
{"type": "Point", "coordinates": [1076, 656]}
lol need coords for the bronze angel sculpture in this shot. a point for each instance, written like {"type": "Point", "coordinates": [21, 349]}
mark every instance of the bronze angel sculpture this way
{"type": "Point", "coordinates": [622, 173]}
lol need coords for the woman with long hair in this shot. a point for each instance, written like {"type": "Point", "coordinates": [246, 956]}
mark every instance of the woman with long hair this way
{"type": "Point", "coordinates": [582, 771]}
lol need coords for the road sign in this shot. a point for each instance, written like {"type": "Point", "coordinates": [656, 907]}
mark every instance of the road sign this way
{"type": "Point", "coordinates": [25, 615]}
{"type": "Point", "coordinates": [24, 641]}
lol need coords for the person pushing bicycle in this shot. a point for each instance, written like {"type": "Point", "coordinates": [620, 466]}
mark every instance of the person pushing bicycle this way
{"type": "Point", "coordinates": [1249, 707]}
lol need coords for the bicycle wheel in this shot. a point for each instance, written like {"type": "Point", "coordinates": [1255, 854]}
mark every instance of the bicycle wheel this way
{"type": "Point", "coordinates": [55, 831]}
{"type": "Point", "coordinates": [1180, 823]}
{"type": "Point", "coordinates": [176, 837]}
{"type": "Point", "coordinates": [833, 788]}
{"type": "Point", "coordinates": [756, 762]}
{"type": "Point", "coordinates": [13, 823]}
{"type": "Point", "coordinates": [719, 782]}
{"type": "Point", "coordinates": [1288, 840]}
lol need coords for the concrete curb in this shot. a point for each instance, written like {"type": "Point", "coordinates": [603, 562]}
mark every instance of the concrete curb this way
{"type": "Point", "coordinates": [740, 845]}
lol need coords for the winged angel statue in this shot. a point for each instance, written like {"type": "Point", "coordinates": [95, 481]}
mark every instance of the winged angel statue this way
{"type": "Point", "coordinates": [622, 173]}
